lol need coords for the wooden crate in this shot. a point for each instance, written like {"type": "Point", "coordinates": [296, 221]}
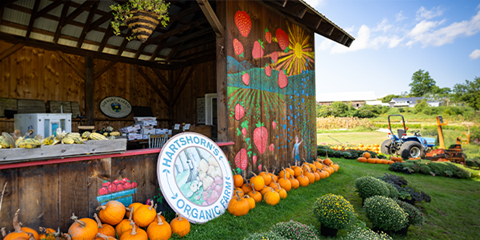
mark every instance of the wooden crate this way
{"type": "Point", "coordinates": [31, 106]}
{"type": "Point", "coordinates": [56, 107]}
{"type": "Point", "coordinates": [7, 104]}
{"type": "Point", "coordinates": [91, 147]}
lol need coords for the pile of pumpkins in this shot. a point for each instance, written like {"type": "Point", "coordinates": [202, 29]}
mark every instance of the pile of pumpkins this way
{"type": "Point", "coordinates": [366, 158]}
{"type": "Point", "coordinates": [272, 188]}
{"type": "Point", "coordinates": [369, 147]}
{"type": "Point", "coordinates": [114, 221]}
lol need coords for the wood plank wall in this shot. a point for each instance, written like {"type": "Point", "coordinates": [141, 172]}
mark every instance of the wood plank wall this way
{"type": "Point", "coordinates": [34, 73]}
{"type": "Point", "coordinates": [48, 195]}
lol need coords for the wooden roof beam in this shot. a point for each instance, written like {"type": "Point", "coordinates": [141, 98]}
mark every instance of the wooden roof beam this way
{"type": "Point", "coordinates": [185, 81]}
{"type": "Point", "coordinates": [48, 8]}
{"type": "Point", "coordinates": [100, 21]}
{"type": "Point", "coordinates": [211, 17]}
{"type": "Point", "coordinates": [84, 7]}
{"type": "Point", "coordinates": [153, 85]}
{"type": "Point", "coordinates": [60, 25]}
{"type": "Point", "coordinates": [71, 64]}
{"type": "Point", "coordinates": [176, 31]}
{"type": "Point", "coordinates": [32, 18]}
{"type": "Point", "coordinates": [105, 38]}
{"type": "Point", "coordinates": [124, 44]}
{"type": "Point", "coordinates": [11, 50]}
{"type": "Point", "coordinates": [5, 3]}
{"type": "Point", "coordinates": [104, 69]}
{"type": "Point", "coordinates": [87, 25]}
{"type": "Point", "coordinates": [158, 49]}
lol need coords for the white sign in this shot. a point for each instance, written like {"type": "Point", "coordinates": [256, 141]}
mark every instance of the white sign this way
{"type": "Point", "coordinates": [115, 107]}
{"type": "Point", "coordinates": [195, 177]}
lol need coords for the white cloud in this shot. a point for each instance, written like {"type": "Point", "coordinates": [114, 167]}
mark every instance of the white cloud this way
{"type": "Point", "coordinates": [383, 26]}
{"type": "Point", "coordinates": [423, 13]}
{"type": "Point", "coordinates": [315, 3]}
{"type": "Point", "coordinates": [475, 54]}
{"type": "Point", "coordinates": [423, 32]}
{"type": "Point", "coordinates": [399, 17]}
{"type": "Point", "coordinates": [394, 41]}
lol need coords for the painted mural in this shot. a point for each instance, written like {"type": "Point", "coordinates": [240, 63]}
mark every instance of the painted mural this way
{"type": "Point", "coordinates": [270, 89]}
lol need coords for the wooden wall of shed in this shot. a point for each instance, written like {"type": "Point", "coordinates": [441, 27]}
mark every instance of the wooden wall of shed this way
{"type": "Point", "coordinates": [48, 195]}
{"type": "Point", "coordinates": [35, 73]}
{"type": "Point", "coordinates": [270, 87]}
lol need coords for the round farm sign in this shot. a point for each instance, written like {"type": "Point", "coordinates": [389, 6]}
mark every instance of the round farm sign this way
{"type": "Point", "coordinates": [195, 177]}
{"type": "Point", "coordinates": [115, 107]}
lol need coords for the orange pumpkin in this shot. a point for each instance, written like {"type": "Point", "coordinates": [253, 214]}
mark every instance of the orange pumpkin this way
{"type": "Point", "coordinates": [295, 183]}
{"type": "Point", "coordinates": [290, 170]}
{"type": "Point", "coordinates": [271, 197]}
{"type": "Point", "coordinates": [310, 176]}
{"type": "Point", "coordinates": [266, 177]}
{"type": "Point", "coordinates": [135, 233]}
{"type": "Point", "coordinates": [238, 206]}
{"type": "Point", "coordinates": [297, 171]}
{"type": "Point", "coordinates": [247, 187]}
{"type": "Point", "coordinates": [257, 196]}
{"type": "Point", "coordinates": [33, 232]}
{"type": "Point", "coordinates": [104, 229]}
{"type": "Point", "coordinates": [181, 226]}
{"type": "Point", "coordinates": [327, 162]}
{"type": "Point", "coordinates": [129, 211]}
{"type": "Point", "coordinates": [46, 233]}
{"type": "Point", "coordinates": [371, 160]}
{"type": "Point", "coordinates": [282, 193]}
{"type": "Point", "coordinates": [317, 176]}
{"type": "Point", "coordinates": [258, 182]}
{"type": "Point", "coordinates": [124, 225]}
{"type": "Point", "coordinates": [237, 180]}
{"type": "Point", "coordinates": [265, 190]}
{"type": "Point", "coordinates": [318, 165]}
{"type": "Point", "coordinates": [362, 159]}
{"type": "Point", "coordinates": [18, 234]}
{"type": "Point", "coordinates": [104, 237]}
{"type": "Point", "coordinates": [285, 183]}
{"type": "Point", "coordinates": [112, 212]}
{"type": "Point", "coordinates": [366, 155]}
{"type": "Point", "coordinates": [159, 229]}
{"type": "Point", "coordinates": [144, 215]}
{"type": "Point", "coordinates": [304, 182]}
{"type": "Point", "coordinates": [251, 201]}
{"type": "Point", "coordinates": [84, 228]}
{"type": "Point", "coordinates": [284, 173]}
{"type": "Point", "coordinates": [239, 191]}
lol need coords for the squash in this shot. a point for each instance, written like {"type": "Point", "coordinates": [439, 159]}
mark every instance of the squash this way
{"type": "Point", "coordinates": [29, 230]}
{"type": "Point", "coordinates": [238, 206]}
{"type": "Point", "coordinates": [145, 215]}
{"type": "Point", "coordinates": [159, 229]}
{"type": "Point", "coordinates": [84, 228]}
{"type": "Point", "coordinates": [304, 181]}
{"type": "Point", "coordinates": [180, 226]}
{"type": "Point", "coordinates": [297, 171]}
{"type": "Point", "coordinates": [282, 193]}
{"type": "Point", "coordinates": [362, 159]}
{"type": "Point", "coordinates": [104, 229]}
{"type": "Point", "coordinates": [266, 177]}
{"type": "Point", "coordinates": [265, 190]}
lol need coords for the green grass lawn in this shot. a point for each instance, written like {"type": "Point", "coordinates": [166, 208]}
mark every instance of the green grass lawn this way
{"type": "Point", "coordinates": [352, 137]}
{"type": "Point", "coordinates": [452, 214]}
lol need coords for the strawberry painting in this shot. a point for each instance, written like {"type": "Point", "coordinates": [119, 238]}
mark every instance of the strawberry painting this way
{"type": "Point", "coordinates": [271, 147]}
{"type": "Point", "coordinates": [268, 36]}
{"type": "Point", "coordinates": [238, 47]}
{"type": "Point", "coordinates": [268, 70]}
{"type": "Point", "coordinates": [282, 79]}
{"type": "Point", "coordinates": [239, 111]}
{"type": "Point", "coordinates": [241, 159]}
{"type": "Point", "coordinates": [260, 167]}
{"type": "Point", "coordinates": [260, 137]}
{"type": "Point", "coordinates": [282, 39]}
{"type": "Point", "coordinates": [274, 125]}
{"type": "Point", "coordinates": [244, 131]}
{"type": "Point", "coordinates": [257, 51]}
{"type": "Point", "coordinates": [243, 22]}
{"type": "Point", "coordinates": [254, 159]}
{"type": "Point", "coordinates": [274, 57]}
{"type": "Point", "coordinates": [246, 78]}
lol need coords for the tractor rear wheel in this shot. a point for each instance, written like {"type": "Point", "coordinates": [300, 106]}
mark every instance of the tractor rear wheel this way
{"type": "Point", "coordinates": [386, 147]}
{"type": "Point", "coordinates": [411, 149]}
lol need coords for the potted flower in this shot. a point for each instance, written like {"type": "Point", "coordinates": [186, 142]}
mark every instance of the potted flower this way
{"type": "Point", "coordinates": [385, 214]}
{"type": "Point", "coordinates": [293, 230]}
{"type": "Point", "coordinates": [334, 212]}
{"type": "Point", "coordinates": [415, 217]}
{"type": "Point", "coordinates": [369, 186]}
{"type": "Point", "coordinates": [141, 16]}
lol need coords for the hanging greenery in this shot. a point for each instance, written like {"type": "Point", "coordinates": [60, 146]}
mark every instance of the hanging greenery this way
{"type": "Point", "coordinates": [141, 16]}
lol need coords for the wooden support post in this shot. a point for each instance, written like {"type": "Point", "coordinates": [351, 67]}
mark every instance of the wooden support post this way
{"type": "Point", "coordinates": [89, 90]}
{"type": "Point", "coordinates": [222, 112]}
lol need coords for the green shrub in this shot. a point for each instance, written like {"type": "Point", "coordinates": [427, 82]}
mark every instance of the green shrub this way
{"type": "Point", "coordinates": [347, 155]}
{"type": "Point", "coordinates": [370, 186]}
{"type": "Point", "coordinates": [393, 192]}
{"type": "Point", "coordinates": [415, 217]}
{"type": "Point", "coordinates": [295, 230]}
{"type": "Point", "coordinates": [385, 213]}
{"type": "Point", "coordinates": [265, 235]}
{"type": "Point", "coordinates": [447, 169]}
{"type": "Point", "coordinates": [366, 234]}
{"type": "Point", "coordinates": [473, 162]}
{"type": "Point", "coordinates": [333, 211]}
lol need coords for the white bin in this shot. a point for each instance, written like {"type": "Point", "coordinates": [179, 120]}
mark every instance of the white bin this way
{"type": "Point", "coordinates": [45, 124]}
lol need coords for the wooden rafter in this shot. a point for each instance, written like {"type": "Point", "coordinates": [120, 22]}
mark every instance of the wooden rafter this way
{"type": "Point", "coordinates": [153, 85]}
{"type": "Point", "coordinates": [32, 18]}
{"type": "Point", "coordinates": [48, 8]}
{"type": "Point", "coordinates": [331, 31]}
{"type": "Point", "coordinates": [177, 31]}
{"type": "Point", "coordinates": [100, 21]}
{"type": "Point", "coordinates": [65, 8]}
{"type": "Point", "coordinates": [185, 81]}
{"type": "Point", "coordinates": [105, 38]}
{"type": "Point", "coordinates": [319, 22]}
{"type": "Point", "coordinates": [140, 50]}
{"type": "Point", "coordinates": [71, 64]}
{"type": "Point", "coordinates": [87, 25]}
{"type": "Point", "coordinates": [84, 7]}
{"type": "Point", "coordinates": [11, 50]}
{"type": "Point", "coordinates": [172, 52]}
{"type": "Point", "coordinates": [161, 77]}
{"type": "Point", "coordinates": [158, 49]}
{"type": "Point", "coordinates": [211, 17]}
{"type": "Point", "coordinates": [124, 44]}
{"type": "Point", "coordinates": [5, 3]}
{"type": "Point", "coordinates": [104, 69]}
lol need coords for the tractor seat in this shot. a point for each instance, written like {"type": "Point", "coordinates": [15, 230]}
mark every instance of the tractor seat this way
{"type": "Point", "coordinates": [400, 132]}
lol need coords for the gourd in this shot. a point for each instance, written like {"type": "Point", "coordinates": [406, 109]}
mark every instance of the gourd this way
{"type": "Point", "coordinates": [135, 233]}
{"type": "Point", "coordinates": [105, 229]}
{"type": "Point", "coordinates": [180, 226]}
{"type": "Point", "coordinates": [257, 196]}
{"type": "Point", "coordinates": [159, 229]}
{"type": "Point", "coordinates": [112, 212]}
{"type": "Point", "coordinates": [238, 206]}
{"type": "Point", "coordinates": [145, 215]}
{"type": "Point", "coordinates": [18, 234]}
{"type": "Point", "coordinates": [84, 228]}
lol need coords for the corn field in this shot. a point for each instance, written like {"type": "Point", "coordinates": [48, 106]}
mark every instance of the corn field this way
{"type": "Point", "coordinates": [327, 123]}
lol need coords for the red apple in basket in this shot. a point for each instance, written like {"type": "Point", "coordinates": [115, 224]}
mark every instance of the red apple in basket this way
{"type": "Point", "coordinates": [103, 191]}
{"type": "Point", "coordinates": [127, 185]}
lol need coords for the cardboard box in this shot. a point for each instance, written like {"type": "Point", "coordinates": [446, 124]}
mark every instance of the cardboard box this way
{"type": "Point", "coordinates": [147, 123]}
{"type": "Point", "coordinates": [161, 131]}
{"type": "Point", "coordinates": [135, 136]}
{"type": "Point", "coordinates": [147, 131]}
{"type": "Point", "coordinates": [145, 136]}
{"type": "Point", "coordinates": [140, 119]}
{"type": "Point", "coordinates": [130, 129]}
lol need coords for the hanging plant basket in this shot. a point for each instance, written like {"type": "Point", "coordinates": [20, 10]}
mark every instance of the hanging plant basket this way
{"type": "Point", "coordinates": [142, 23]}
{"type": "Point", "coordinates": [141, 16]}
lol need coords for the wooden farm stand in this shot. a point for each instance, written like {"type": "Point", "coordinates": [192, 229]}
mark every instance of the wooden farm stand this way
{"type": "Point", "coordinates": [257, 56]}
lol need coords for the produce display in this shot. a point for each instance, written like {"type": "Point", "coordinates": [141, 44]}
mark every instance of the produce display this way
{"type": "Point", "coordinates": [367, 158]}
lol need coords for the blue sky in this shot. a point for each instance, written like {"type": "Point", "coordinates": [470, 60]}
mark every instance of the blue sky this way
{"type": "Point", "coordinates": [395, 38]}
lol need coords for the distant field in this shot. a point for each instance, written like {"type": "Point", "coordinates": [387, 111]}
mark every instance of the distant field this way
{"type": "Point", "coordinates": [352, 137]}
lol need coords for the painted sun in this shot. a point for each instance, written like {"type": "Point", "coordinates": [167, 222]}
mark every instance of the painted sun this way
{"type": "Point", "coordinates": [300, 55]}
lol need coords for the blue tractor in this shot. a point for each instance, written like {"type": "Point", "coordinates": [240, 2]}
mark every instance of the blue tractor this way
{"type": "Point", "coordinates": [414, 146]}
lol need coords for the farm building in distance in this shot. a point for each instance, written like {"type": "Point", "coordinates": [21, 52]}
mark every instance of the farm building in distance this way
{"type": "Point", "coordinates": [357, 99]}
{"type": "Point", "coordinates": [411, 102]}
